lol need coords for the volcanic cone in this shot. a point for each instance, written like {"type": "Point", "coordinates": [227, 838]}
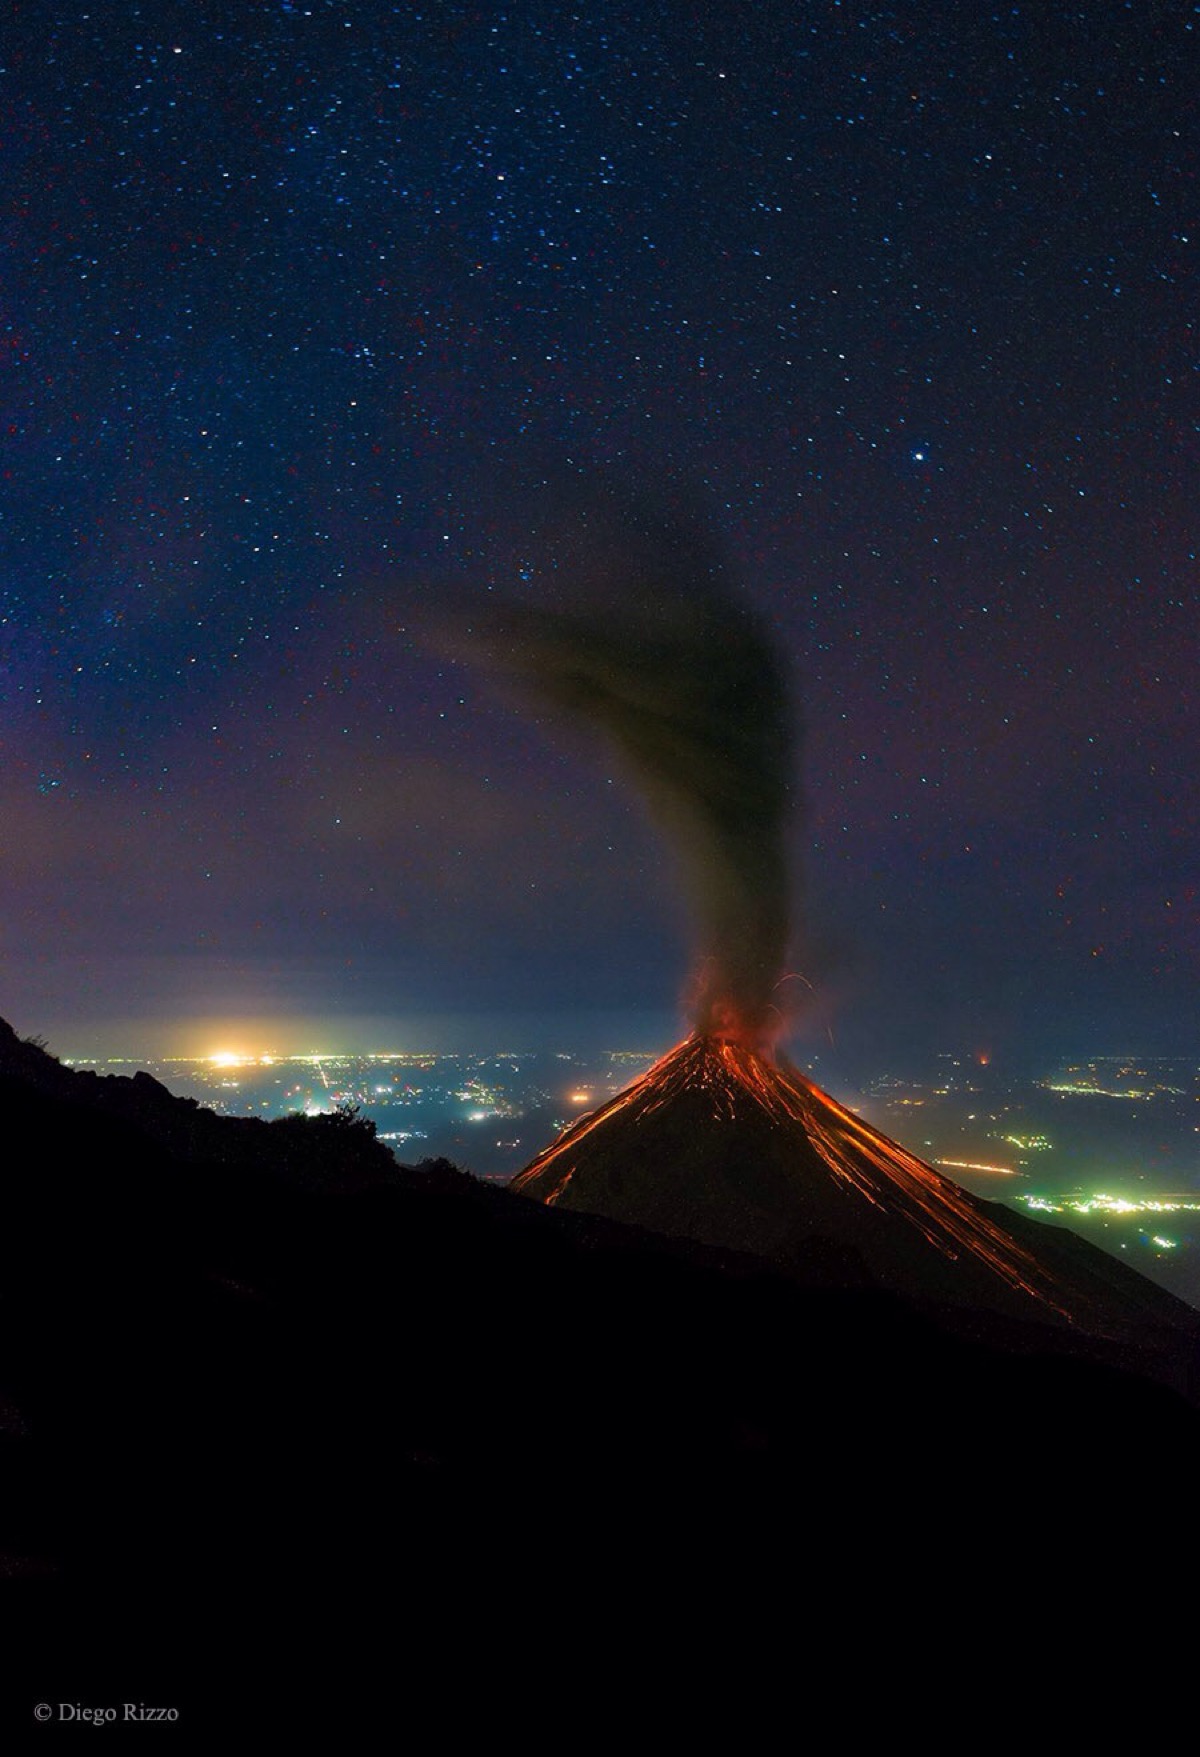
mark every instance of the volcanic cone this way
{"type": "Point", "coordinates": [720, 1144]}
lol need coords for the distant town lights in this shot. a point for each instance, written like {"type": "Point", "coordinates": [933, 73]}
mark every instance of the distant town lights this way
{"type": "Point", "coordinates": [1102, 1204]}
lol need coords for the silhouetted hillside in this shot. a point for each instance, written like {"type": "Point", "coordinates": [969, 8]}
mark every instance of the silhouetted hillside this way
{"type": "Point", "coordinates": [262, 1385]}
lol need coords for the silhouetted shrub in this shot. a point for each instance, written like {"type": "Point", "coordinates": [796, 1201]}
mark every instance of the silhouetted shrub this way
{"type": "Point", "coordinates": [344, 1119]}
{"type": "Point", "coordinates": [443, 1174]}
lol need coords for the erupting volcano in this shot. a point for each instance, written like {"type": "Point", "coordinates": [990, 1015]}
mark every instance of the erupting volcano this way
{"type": "Point", "coordinates": [723, 1141]}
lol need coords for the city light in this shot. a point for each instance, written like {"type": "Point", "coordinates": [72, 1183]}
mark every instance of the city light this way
{"type": "Point", "coordinates": [1102, 1204]}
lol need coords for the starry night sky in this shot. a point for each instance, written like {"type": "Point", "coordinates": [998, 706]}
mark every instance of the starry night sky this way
{"type": "Point", "coordinates": [310, 312]}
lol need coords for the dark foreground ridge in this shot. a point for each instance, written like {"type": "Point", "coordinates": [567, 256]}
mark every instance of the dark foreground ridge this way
{"type": "Point", "coordinates": [267, 1393]}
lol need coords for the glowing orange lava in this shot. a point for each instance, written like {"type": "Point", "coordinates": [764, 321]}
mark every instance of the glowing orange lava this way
{"type": "Point", "coordinates": [736, 1081]}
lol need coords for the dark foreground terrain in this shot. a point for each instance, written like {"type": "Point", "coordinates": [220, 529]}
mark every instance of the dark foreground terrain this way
{"type": "Point", "coordinates": [292, 1435]}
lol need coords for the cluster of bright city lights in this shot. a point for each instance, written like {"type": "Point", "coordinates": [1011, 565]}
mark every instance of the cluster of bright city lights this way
{"type": "Point", "coordinates": [1102, 1204]}
{"type": "Point", "coordinates": [1121, 1207]}
{"type": "Point", "coordinates": [1114, 1076]}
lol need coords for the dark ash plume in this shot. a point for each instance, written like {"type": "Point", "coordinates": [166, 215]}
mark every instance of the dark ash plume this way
{"type": "Point", "coordinates": [655, 651]}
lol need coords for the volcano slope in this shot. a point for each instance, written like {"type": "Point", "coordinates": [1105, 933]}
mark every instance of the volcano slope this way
{"type": "Point", "coordinates": [718, 1143]}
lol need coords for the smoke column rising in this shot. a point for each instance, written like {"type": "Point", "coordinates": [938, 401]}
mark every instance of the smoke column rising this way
{"type": "Point", "coordinates": [654, 650]}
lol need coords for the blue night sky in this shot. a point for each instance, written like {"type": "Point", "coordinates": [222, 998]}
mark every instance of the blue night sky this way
{"type": "Point", "coordinates": [314, 313]}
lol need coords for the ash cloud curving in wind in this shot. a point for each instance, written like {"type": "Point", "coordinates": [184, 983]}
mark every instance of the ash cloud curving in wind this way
{"type": "Point", "coordinates": [649, 644]}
